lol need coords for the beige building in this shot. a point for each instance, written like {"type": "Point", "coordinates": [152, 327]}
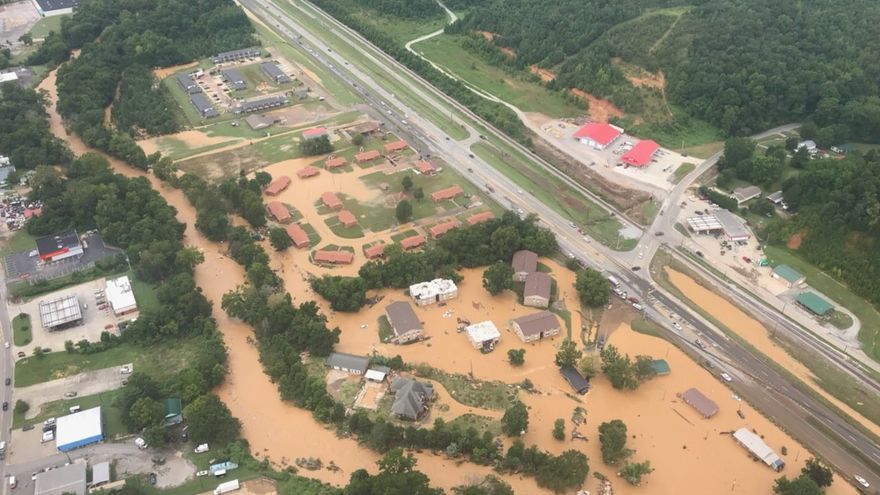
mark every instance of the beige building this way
{"type": "Point", "coordinates": [536, 292]}
{"type": "Point", "coordinates": [535, 326]}
{"type": "Point", "coordinates": [524, 262]}
{"type": "Point", "coordinates": [404, 322]}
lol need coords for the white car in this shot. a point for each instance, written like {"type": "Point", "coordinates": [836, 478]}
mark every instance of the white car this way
{"type": "Point", "coordinates": [676, 325]}
{"type": "Point", "coordinates": [862, 481]}
{"type": "Point", "coordinates": [6, 345]}
{"type": "Point", "coordinates": [202, 473]}
{"type": "Point", "coordinates": [726, 377]}
{"type": "Point", "coordinates": [126, 370]}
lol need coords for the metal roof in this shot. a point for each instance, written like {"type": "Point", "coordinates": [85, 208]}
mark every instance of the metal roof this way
{"type": "Point", "coordinates": [77, 427]}
{"type": "Point", "coordinates": [100, 473]}
{"type": "Point", "coordinates": [788, 273]}
{"type": "Point", "coordinates": [758, 448]}
{"type": "Point", "coordinates": [60, 311]}
{"type": "Point", "coordinates": [580, 384]}
{"type": "Point", "coordinates": [602, 134]}
{"type": "Point", "coordinates": [348, 361]}
{"type": "Point", "coordinates": [483, 331]}
{"type": "Point", "coordinates": [641, 154]}
{"type": "Point", "coordinates": [120, 294]}
{"type": "Point", "coordinates": [814, 303]}
{"type": "Point", "coordinates": [402, 318]}
{"type": "Point", "coordinates": [704, 405]}
{"type": "Point", "coordinates": [65, 479]}
{"type": "Point", "coordinates": [733, 225]}
{"type": "Point", "coordinates": [706, 223]}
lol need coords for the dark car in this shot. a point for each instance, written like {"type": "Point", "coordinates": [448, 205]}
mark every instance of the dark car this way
{"type": "Point", "coordinates": [152, 478]}
{"type": "Point", "coordinates": [636, 268]}
{"type": "Point", "coordinates": [5, 406]}
{"type": "Point", "coordinates": [8, 381]}
{"type": "Point", "coordinates": [27, 427]}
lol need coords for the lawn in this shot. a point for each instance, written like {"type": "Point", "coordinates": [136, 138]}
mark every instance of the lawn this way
{"type": "Point", "coordinates": [160, 360]}
{"type": "Point", "coordinates": [703, 150]}
{"type": "Point", "coordinates": [49, 23]}
{"type": "Point", "coordinates": [869, 335]}
{"type": "Point", "coordinates": [314, 237]}
{"type": "Point", "coordinates": [353, 232]}
{"type": "Point", "coordinates": [254, 77]}
{"type": "Point", "coordinates": [20, 241]}
{"type": "Point", "coordinates": [187, 113]}
{"type": "Point", "coordinates": [144, 293]}
{"type": "Point", "coordinates": [107, 400]}
{"type": "Point", "coordinates": [480, 423]}
{"type": "Point", "coordinates": [470, 392]}
{"type": "Point", "coordinates": [384, 326]}
{"type": "Point", "coordinates": [176, 149]}
{"type": "Point", "coordinates": [681, 172]}
{"type": "Point", "coordinates": [448, 52]}
{"type": "Point", "coordinates": [683, 132]}
{"type": "Point", "coordinates": [21, 329]}
{"type": "Point", "coordinates": [647, 327]}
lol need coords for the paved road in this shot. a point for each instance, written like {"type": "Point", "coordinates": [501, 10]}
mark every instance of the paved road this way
{"type": "Point", "coordinates": [6, 369]}
{"type": "Point", "coordinates": [779, 399]}
{"type": "Point", "coordinates": [87, 383]}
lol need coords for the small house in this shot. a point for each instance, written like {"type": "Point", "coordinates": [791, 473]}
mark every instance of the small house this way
{"type": "Point", "coordinates": [537, 289]}
{"type": "Point", "coordinates": [524, 262]}
{"type": "Point", "coordinates": [404, 322]}
{"type": "Point", "coordinates": [535, 326]}
{"type": "Point", "coordinates": [349, 363]}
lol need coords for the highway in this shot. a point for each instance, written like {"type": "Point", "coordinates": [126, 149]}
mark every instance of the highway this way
{"type": "Point", "coordinates": [761, 384]}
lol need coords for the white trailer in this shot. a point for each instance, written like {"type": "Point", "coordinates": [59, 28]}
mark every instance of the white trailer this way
{"type": "Point", "coordinates": [226, 487]}
{"type": "Point", "coordinates": [613, 280]}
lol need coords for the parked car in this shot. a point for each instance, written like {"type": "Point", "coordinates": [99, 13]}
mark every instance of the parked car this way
{"type": "Point", "coordinates": [726, 377]}
{"type": "Point", "coordinates": [203, 472]}
{"type": "Point", "coordinates": [70, 394]}
{"type": "Point", "coordinates": [152, 478]}
{"type": "Point", "coordinates": [676, 325]}
{"type": "Point", "coordinates": [21, 354]}
{"type": "Point", "coordinates": [126, 370]}
{"type": "Point", "coordinates": [27, 427]}
{"type": "Point", "coordinates": [5, 406]}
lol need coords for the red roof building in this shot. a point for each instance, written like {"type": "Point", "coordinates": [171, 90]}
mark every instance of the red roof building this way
{"type": "Point", "coordinates": [412, 242]}
{"type": "Point", "coordinates": [306, 172]}
{"type": "Point", "coordinates": [331, 201]}
{"type": "Point", "coordinates": [277, 185]}
{"type": "Point", "coordinates": [347, 218]}
{"type": "Point", "coordinates": [442, 228]}
{"type": "Point", "coordinates": [426, 168]}
{"type": "Point", "coordinates": [597, 135]}
{"type": "Point", "coordinates": [278, 211]}
{"type": "Point", "coordinates": [374, 251]}
{"type": "Point", "coordinates": [448, 193]}
{"type": "Point", "coordinates": [335, 162]}
{"type": "Point", "coordinates": [641, 154]}
{"type": "Point", "coordinates": [395, 146]}
{"type": "Point", "coordinates": [367, 156]}
{"type": "Point", "coordinates": [33, 212]}
{"type": "Point", "coordinates": [314, 133]}
{"type": "Point", "coordinates": [298, 235]}
{"type": "Point", "coordinates": [480, 217]}
{"type": "Point", "coordinates": [334, 257]}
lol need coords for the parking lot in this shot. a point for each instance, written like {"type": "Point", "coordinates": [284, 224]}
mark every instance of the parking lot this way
{"type": "Point", "coordinates": [94, 320]}
{"type": "Point", "coordinates": [25, 265]}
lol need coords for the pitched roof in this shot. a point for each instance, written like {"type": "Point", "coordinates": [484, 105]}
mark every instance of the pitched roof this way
{"type": "Point", "coordinates": [278, 211]}
{"type": "Point", "coordinates": [704, 405]}
{"type": "Point", "coordinates": [315, 132]}
{"type": "Point", "coordinates": [746, 193]}
{"type": "Point", "coordinates": [425, 167]}
{"type": "Point", "coordinates": [442, 228]}
{"type": "Point", "coordinates": [814, 303]}
{"type": "Point", "coordinates": [347, 218]}
{"type": "Point", "coordinates": [575, 379]}
{"type": "Point", "coordinates": [395, 146]}
{"type": "Point", "coordinates": [600, 133]}
{"type": "Point", "coordinates": [412, 242]}
{"type": "Point", "coordinates": [448, 193]}
{"type": "Point", "coordinates": [348, 361]}
{"type": "Point", "coordinates": [277, 185]}
{"type": "Point", "coordinates": [641, 154]}
{"type": "Point", "coordinates": [410, 397]}
{"type": "Point", "coordinates": [402, 317]}
{"type": "Point", "coordinates": [339, 257]}
{"type": "Point", "coordinates": [309, 171]}
{"type": "Point", "coordinates": [336, 161]}
{"type": "Point", "coordinates": [537, 323]}
{"type": "Point", "coordinates": [480, 217]}
{"type": "Point", "coordinates": [298, 235]}
{"type": "Point", "coordinates": [524, 261]}
{"type": "Point", "coordinates": [366, 156]}
{"type": "Point", "coordinates": [538, 284]}
{"type": "Point", "coordinates": [788, 273]}
{"type": "Point", "coordinates": [374, 251]}
{"type": "Point", "coordinates": [331, 200]}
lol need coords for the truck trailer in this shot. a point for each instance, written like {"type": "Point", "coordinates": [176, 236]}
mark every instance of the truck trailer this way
{"type": "Point", "coordinates": [226, 487]}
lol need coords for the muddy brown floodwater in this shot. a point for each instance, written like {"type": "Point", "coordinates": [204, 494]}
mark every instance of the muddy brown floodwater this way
{"type": "Point", "coordinates": [757, 335]}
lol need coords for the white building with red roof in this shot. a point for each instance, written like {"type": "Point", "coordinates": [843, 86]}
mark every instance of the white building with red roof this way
{"type": "Point", "coordinates": [598, 135]}
{"type": "Point", "coordinates": [641, 154]}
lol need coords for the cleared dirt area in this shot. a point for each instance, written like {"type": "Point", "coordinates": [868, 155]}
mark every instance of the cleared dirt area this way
{"type": "Point", "coordinates": [544, 74]}
{"type": "Point", "coordinates": [600, 110]}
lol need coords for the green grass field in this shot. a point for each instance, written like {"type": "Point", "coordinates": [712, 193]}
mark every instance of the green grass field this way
{"type": "Point", "coordinates": [384, 328]}
{"type": "Point", "coordinates": [46, 24]}
{"type": "Point", "coordinates": [353, 232]}
{"type": "Point", "coordinates": [448, 52]}
{"type": "Point", "coordinates": [682, 133]}
{"type": "Point", "coordinates": [22, 331]}
{"type": "Point", "coordinates": [682, 171]}
{"type": "Point", "coordinates": [869, 335]}
{"type": "Point", "coordinates": [489, 395]}
{"type": "Point", "coordinates": [20, 241]}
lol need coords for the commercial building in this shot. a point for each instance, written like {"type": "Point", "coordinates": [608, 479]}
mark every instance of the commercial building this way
{"type": "Point", "coordinates": [734, 228]}
{"type": "Point", "coordinates": [258, 104]}
{"type": "Point", "coordinates": [442, 228]}
{"type": "Point", "coordinates": [298, 235]}
{"type": "Point", "coordinates": [64, 480]}
{"type": "Point", "coordinates": [331, 200]}
{"type": "Point", "coordinates": [346, 218]}
{"type": "Point", "coordinates": [446, 194]}
{"type": "Point", "coordinates": [535, 326]}
{"type": "Point", "coordinates": [412, 399]}
{"type": "Point", "coordinates": [364, 128]}
{"type": "Point", "coordinates": [743, 194]}
{"type": "Point", "coordinates": [120, 295]}
{"type": "Point", "coordinates": [335, 162]}
{"type": "Point", "coordinates": [188, 84]}
{"type": "Point", "coordinates": [278, 211]}
{"type": "Point", "coordinates": [315, 133]}
{"type": "Point", "coordinates": [598, 136]}
{"type": "Point", "coordinates": [236, 55]}
{"type": "Point", "coordinates": [234, 78]}
{"type": "Point", "coordinates": [439, 289]}
{"type": "Point", "coordinates": [814, 304]}
{"type": "Point", "coordinates": [274, 72]}
{"type": "Point", "coordinates": [706, 224]}
{"type": "Point", "coordinates": [55, 7]}
{"type": "Point", "coordinates": [703, 405]}
{"type": "Point", "coordinates": [524, 262]}
{"type": "Point", "coordinates": [756, 446]}
{"type": "Point", "coordinates": [412, 242]}
{"type": "Point", "coordinates": [404, 322]}
{"type": "Point", "coordinates": [60, 313]}
{"type": "Point", "coordinates": [277, 186]}
{"type": "Point", "coordinates": [257, 122]}
{"type": "Point", "coordinates": [203, 105]}
{"type": "Point", "coordinates": [79, 429]}
{"type": "Point", "coordinates": [574, 378]}
{"type": "Point", "coordinates": [395, 146]}
{"type": "Point", "coordinates": [308, 171]}
{"type": "Point", "coordinates": [788, 274]}
{"type": "Point", "coordinates": [367, 156]}
{"type": "Point", "coordinates": [536, 292]}
{"type": "Point", "coordinates": [483, 335]}
{"type": "Point", "coordinates": [334, 257]}
{"type": "Point", "coordinates": [480, 218]}
{"type": "Point", "coordinates": [349, 363]}
{"type": "Point", "coordinates": [59, 246]}
{"type": "Point", "coordinates": [641, 154]}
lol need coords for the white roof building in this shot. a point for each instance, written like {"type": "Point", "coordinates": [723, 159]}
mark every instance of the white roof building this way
{"type": "Point", "coordinates": [120, 296]}
{"type": "Point", "coordinates": [439, 289]}
{"type": "Point", "coordinates": [79, 429]}
{"type": "Point", "coordinates": [65, 479]}
{"type": "Point", "coordinates": [60, 312]}
{"type": "Point", "coordinates": [8, 77]}
{"type": "Point", "coordinates": [758, 448]}
{"type": "Point", "coordinates": [483, 334]}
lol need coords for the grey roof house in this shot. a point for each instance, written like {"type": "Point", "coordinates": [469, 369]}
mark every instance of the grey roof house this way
{"type": "Point", "coordinates": [412, 399]}
{"type": "Point", "coordinates": [524, 262]}
{"type": "Point", "coordinates": [404, 322]}
{"type": "Point", "coordinates": [356, 365]}
{"type": "Point", "coordinates": [237, 55]}
{"type": "Point", "coordinates": [261, 104]}
{"type": "Point", "coordinates": [188, 84]}
{"type": "Point", "coordinates": [203, 105]}
{"type": "Point", "coordinates": [235, 79]}
{"type": "Point", "coordinates": [274, 72]}
{"type": "Point", "coordinates": [536, 292]}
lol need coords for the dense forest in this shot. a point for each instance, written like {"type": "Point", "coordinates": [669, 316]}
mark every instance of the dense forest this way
{"type": "Point", "coordinates": [24, 130]}
{"type": "Point", "coordinates": [134, 36]}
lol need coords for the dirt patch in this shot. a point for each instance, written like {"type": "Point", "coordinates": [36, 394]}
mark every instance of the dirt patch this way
{"type": "Point", "coordinates": [544, 74]}
{"type": "Point", "coordinates": [646, 79]}
{"type": "Point", "coordinates": [600, 110]}
{"type": "Point", "coordinates": [486, 34]}
{"type": "Point", "coordinates": [795, 241]}
{"type": "Point", "coordinates": [507, 51]}
{"type": "Point", "coordinates": [167, 71]}
{"type": "Point", "coordinates": [259, 486]}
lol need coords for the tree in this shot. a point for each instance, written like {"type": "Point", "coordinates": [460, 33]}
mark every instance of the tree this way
{"type": "Point", "coordinates": [69, 347]}
{"type": "Point", "coordinates": [406, 183]}
{"type": "Point", "coordinates": [357, 139]}
{"type": "Point", "coordinates": [210, 421]}
{"type": "Point", "coordinates": [27, 39]}
{"type": "Point", "coordinates": [21, 407]}
{"type": "Point", "coordinates": [279, 239]}
{"type": "Point", "coordinates": [592, 288]}
{"type": "Point", "coordinates": [736, 151]}
{"type": "Point", "coordinates": [419, 194]}
{"type": "Point", "coordinates": [38, 352]}
{"type": "Point", "coordinates": [822, 475]}
{"type": "Point", "coordinates": [612, 439]}
{"type": "Point", "coordinates": [145, 412]}
{"type": "Point", "coordinates": [344, 293]}
{"type": "Point", "coordinates": [498, 278]}
{"type": "Point", "coordinates": [559, 429]}
{"type": "Point", "coordinates": [633, 472]}
{"type": "Point", "coordinates": [317, 146]}
{"type": "Point", "coordinates": [802, 485]}
{"type": "Point", "coordinates": [568, 354]}
{"type": "Point", "coordinates": [589, 366]}
{"type": "Point", "coordinates": [644, 368]}
{"type": "Point", "coordinates": [563, 473]}
{"type": "Point", "coordinates": [516, 356]}
{"type": "Point", "coordinates": [404, 211]}
{"type": "Point", "coordinates": [490, 485]}
{"type": "Point", "coordinates": [515, 420]}
{"type": "Point", "coordinates": [619, 369]}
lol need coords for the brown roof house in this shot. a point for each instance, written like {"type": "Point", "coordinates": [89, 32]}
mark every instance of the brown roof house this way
{"type": "Point", "coordinates": [367, 156]}
{"type": "Point", "coordinates": [374, 251]}
{"type": "Point", "coordinates": [426, 168]}
{"type": "Point", "coordinates": [404, 322]}
{"type": "Point", "coordinates": [331, 201]}
{"type": "Point", "coordinates": [335, 162]}
{"type": "Point", "coordinates": [535, 326]}
{"type": "Point", "coordinates": [395, 146]}
{"type": "Point", "coordinates": [524, 262]}
{"type": "Point", "coordinates": [278, 211]}
{"type": "Point", "coordinates": [480, 218]}
{"type": "Point", "coordinates": [448, 193]}
{"type": "Point", "coordinates": [277, 185]}
{"type": "Point", "coordinates": [334, 257]}
{"type": "Point", "coordinates": [306, 172]}
{"type": "Point", "coordinates": [704, 405]}
{"type": "Point", "coordinates": [298, 235]}
{"type": "Point", "coordinates": [412, 242]}
{"type": "Point", "coordinates": [347, 218]}
{"type": "Point", "coordinates": [536, 292]}
{"type": "Point", "coordinates": [442, 228]}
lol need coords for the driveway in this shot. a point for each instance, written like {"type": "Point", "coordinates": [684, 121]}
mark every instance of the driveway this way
{"type": "Point", "coordinates": [88, 383]}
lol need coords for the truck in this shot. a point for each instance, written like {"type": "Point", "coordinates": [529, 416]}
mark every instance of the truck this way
{"type": "Point", "coordinates": [226, 487]}
{"type": "Point", "coordinates": [3, 450]}
{"type": "Point", "coordinates": [613, 280]}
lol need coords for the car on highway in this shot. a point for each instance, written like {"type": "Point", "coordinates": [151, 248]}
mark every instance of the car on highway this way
{"type": "Point", "coordinates": [636, 268]}
{"type": "Point", "coordinates": [676, 325]}
{"type": "Point", "coordinates": [862, 481]}
{"type": "Point", "coordinates": [572, 225]}
{"type": "Point", "coordinates": [70, 394]}
{"type": "Point", "coordinates": [5, 406]}
{"type": "Point", "coordinates": [726, 377]}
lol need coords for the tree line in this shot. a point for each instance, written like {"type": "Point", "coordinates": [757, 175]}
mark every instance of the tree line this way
{"type": "Point", "coordinates": [24, 129]}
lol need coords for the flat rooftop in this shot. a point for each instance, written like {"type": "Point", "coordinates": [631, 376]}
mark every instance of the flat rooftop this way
{"type": "Point", "coordinates": [57, 312]}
